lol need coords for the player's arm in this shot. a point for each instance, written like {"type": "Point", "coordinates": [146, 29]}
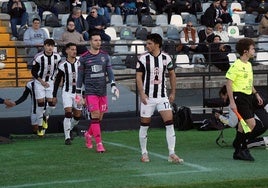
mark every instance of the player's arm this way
{"type": "Point", "coordinates": [24, 96]}
{"type": "Point", "coordinates": [229, 84]}
{"type": "Point", "coordinates": [109, 70]}
{"type": "Point", "coordinates": [57, 84]}
{"type": "Point", "coordinates": [140, 70]}
{"type": "Point", "coordinates": [260, 100]}
{"type": "Point", "coordinates": [172, 80]}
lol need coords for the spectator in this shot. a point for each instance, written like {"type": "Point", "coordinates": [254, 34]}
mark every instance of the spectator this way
{"type": "Point", "coordinates": [111, 7]}
{"type": "Point", "coordinates": [128, 7]}
{"type": "Point", "coordinates": [219, 54]}
{"type": "Point", "coordinates": [224, 14]}
{"type": "Point", "coordinates": [254, 6]}
{"type": "Point", "coordinates": [222, 33]}
{"type": "Point", "coordinates": [98, 4]}
{"type": "Point", "coordinates": [185, 6]}
{"type": "Point", "coordinates": [205, 38]}
{"type": "Point", "coordinates": [263, 26]}
{"type": "Point", "coordinates": [46, 6]}
{"type": "Point", "coordinates": [142, 8]}
{"type": "Point", "coordinates": [80, 22]}
{"type": "Point", "coordinates": [34, 36]}
{"type": "Point", "coordinates": [97, 23]}
{"type": "Point", "coordinates": [189, 38]}
{"type": "Point", "coordinates": [72, 36]}
{"type": "Point", "coordinates": [212, 14]}
{"type": "Point", "coordinates": [167, 6]}
{"type": "Point", "coordinates": [75, 3]}
{"type": "Point", "coordinates": [18, 15]}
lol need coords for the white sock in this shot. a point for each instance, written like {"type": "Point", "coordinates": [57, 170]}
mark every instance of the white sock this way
{"type": "Point", "coordinates": [143, 138]}
{"type": "Point", "coordinates": [67, 127]}
{"type": "Point", "coordinates": [171, 138]}
{"type": "Point", "coordinates": [39, 115]}
{"type": "Point", "coordinates": [73, 123]}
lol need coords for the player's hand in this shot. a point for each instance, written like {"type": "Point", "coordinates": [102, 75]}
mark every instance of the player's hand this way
{"type": "Point", "coordinates": [79, 100]}
{"type": "Point", "coordinates": [115, 91]}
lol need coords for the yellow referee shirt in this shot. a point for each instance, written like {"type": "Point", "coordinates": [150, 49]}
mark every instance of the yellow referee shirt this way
{"type": "Point", "coordinates": [242, 76]}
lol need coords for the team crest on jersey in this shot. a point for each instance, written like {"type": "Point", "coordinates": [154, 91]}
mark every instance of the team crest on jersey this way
{"type": "Point", "coordinates": [103, 59]}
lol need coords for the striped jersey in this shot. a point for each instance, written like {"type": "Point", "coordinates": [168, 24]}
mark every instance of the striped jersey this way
{"type": "Point", "coordinates": [67, 71]}
{"type": "Point", "coordinates": [45, 66]}
{"type": "Point", "coordinates": [92, 72]}
{"type": "Point", "coordinates": [154, 69]}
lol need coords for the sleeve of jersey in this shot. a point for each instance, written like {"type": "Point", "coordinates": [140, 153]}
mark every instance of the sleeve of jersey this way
{"type": "Point", "coordinates": [110, 71]}
{"type": "Point", "coordinates": [57, 82]}
{"type": "Point", "coordinates": [231, 73]}
{"type": "Point", "coordinates": [80, 76]}
{"type": "Point", "coordinates": [140, 66]}
{"type": "Point", "coordinates": [170, 64]}
{"type": "Point", "coordinates": [24, 96]}
{"type": "Point", "coordinates": [35, 69]}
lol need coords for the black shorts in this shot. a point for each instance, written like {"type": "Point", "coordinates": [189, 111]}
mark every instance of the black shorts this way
{"type": "Point", "coordinates": [244, 104]}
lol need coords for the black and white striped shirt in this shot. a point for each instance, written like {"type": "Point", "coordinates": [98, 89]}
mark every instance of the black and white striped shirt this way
{"type": "Point", "coordinates": [67, 71]}
{"type": "Point", "coordinates": [45, 66]}
{"type": "Point", "coordinates": [154, 69]}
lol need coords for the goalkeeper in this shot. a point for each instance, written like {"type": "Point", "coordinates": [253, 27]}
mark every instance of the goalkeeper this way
{"type": "Point", "coordinates": [95, 64]}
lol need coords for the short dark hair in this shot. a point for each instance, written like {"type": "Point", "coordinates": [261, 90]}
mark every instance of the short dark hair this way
{"type": "Point", "coordinates": [156, 38]}
{"type": "Point", "coordinates": [36, 19]}
{"type": "Point", "coordinates": [93, 33]}
{"type": "Point", "coordinates": [244, 44]}
{"type": "Point", "coordinates": [68, 45]}
{"type": "Point", "coordinates": [49, 42]}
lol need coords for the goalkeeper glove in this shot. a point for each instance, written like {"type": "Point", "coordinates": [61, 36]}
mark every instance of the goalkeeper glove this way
{"type": "Point", "coordinates": [114, 90]}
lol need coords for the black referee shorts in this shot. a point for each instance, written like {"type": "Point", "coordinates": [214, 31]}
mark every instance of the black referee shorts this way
{"type": "Point", "coordinates": [244, 104]}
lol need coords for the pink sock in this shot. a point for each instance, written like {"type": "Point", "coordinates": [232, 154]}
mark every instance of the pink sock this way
{"type": "Point", "coordinates": [95, 127]}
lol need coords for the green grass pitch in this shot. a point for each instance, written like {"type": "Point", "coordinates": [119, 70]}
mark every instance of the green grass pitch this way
{"type": "Point", "coordinates": [48, 162]}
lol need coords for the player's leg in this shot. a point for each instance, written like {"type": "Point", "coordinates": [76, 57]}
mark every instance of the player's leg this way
{"type": "Point", "coordinates": [67, 125]}
{"type": "Point", "coordinates": [40, 98]}
{"type": "Point", "coordinates": [95, 107]}
{"type": "Point", "coordinates": [146, 113]}
{"type": "Point", "coordinates": [165, 111]}
{"type": "Point", "coordinates": [77, 112]}
{"type": "Point", "coordinates": [50, 105]}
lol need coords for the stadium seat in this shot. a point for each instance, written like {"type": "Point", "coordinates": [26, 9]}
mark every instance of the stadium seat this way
{"type": "Point", "coordinates": [158, 30]}
{"type": "Point", "coordinates": [4, 8]}
{"type": "Point", "coordinates": [232, 57]}
{"type": "Point", "coordinates": [141, 33]}
{"type": "Point", "coordinates": [137, 49]}
{"type": "Point", "coordinates": [191, 18]}
{"type": "Point", "coordinates": [199, 60]}
{"type": "Point", "coordinates": [45, 13]}
{"type": "Point", "coordinates": [183, 61]}
{"type": "Point", "coordinates": [262, 43]}
{"type": "Point", "coordinates": [249, 19]}
{"type": "Point", "coordinates": [161, 20]}
{"type": "Point", "coordinates": [237, 20]}
{"type": "Point", "coordinates": [173, 33]}
{"type": "Point", "coordinates": [176, 20]}
{"type": "Point", "coordinates": [46, 30]}
{"type": "Point", "coordinates": [205, 6]}
{"type": "Point", "coordinates": [233, 31]}
{"type": "Point", "coordinates": [132, 20]}
{"type": "Point", "coordinates": [147, 20]}
{"type": "Point", "coordinates": [126, 34]}
{"type": "Point", "coordinates": [30, 6]}
{"type": "Point", "coordinates": [116, 20]}
{"type": "Point", "coordinates": [112, 33]}
{"type": "Point", "coordinates": [117, 63]}
{"type": "Point", "coordinates": [57, 33]}
{"type": "Point", "coordinates": [262, 58]}
{"type": "Point", "coordinates": [121, 48]}
{"type": "Point", "coordinates": [64, 18]}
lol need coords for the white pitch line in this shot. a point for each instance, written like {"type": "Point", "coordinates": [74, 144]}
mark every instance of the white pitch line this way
{"type": "Point", "coordinates": [196, 166]}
